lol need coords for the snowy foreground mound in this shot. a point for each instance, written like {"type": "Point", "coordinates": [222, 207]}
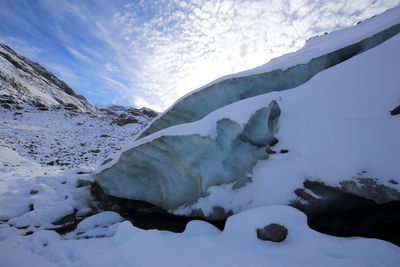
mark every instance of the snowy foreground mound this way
{"type": "Point", "coordinates": [199, 245]}
{"type": "Point", "coordinates": [334, 128]}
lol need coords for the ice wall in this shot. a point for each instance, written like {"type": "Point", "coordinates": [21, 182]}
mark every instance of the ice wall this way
{"type": "Point", "coordinates": [172, 170]}
{"type": "Point", "coordinates": [200, 103]}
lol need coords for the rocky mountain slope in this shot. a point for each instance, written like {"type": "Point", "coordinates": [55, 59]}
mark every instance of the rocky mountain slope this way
{"type": "Point", "coordinates": [43, 119]}
{"type": "Point", "coordinates": [25, 82]}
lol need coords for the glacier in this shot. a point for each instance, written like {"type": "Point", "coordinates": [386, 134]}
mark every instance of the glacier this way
{"type": "Point", "coordinates": [171, 170]}
{"type": "Point", "coordinates": [288, 71]}
{"type": "Point", "coordinates": [211, 154]}
{"type": "Point", "coordinates": [341, 141]}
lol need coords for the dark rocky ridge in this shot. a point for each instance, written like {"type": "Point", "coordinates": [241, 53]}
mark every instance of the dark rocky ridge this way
{"type": "Point", "coordinates": [17, 72]}
{"type": "Point", "coordinates": [123, 115]}
{"type": "Point", "coordinates": [364, 209]}
{"type": "Point", "coordinates": [37, 70]}
{"type": "Point", "coordinates": [14, 90]}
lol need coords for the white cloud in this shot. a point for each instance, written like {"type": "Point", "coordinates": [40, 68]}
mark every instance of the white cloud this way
{"type": "Point", "coordinates": [110, 67]}
{"type": "Point", "coordinates": [186, 45]}
{"type": "Point", "coordinates": [114, 82]}
{"type": "Point", "coordinates": [78, 54]}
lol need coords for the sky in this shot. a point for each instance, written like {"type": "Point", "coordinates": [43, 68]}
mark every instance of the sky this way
{"type": "Point", "coordinates": [151, 53]}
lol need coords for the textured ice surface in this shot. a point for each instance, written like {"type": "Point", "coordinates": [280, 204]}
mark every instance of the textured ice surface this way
{"type": "Point", "coordinates": [309, 61]}
{"type": "Point", "coordinates": [172, 170]}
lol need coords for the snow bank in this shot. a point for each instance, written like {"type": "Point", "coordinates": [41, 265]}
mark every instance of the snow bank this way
{"type": "Point", "coordinates": [237, 245]}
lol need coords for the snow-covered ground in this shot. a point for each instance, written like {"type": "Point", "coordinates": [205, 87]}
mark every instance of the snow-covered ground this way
{"type": "Point", "coordinates": [105, 239]}
{"type": "Point", "coordinates": [334, 127]}
{"type": "Point", "coordinates": [61, 137]}
{"type": "Point", "coordinates": [199, 245]}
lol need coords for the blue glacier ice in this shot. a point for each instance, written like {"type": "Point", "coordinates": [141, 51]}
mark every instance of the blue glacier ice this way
{"type": "Point", "coordinates": [173, 170]}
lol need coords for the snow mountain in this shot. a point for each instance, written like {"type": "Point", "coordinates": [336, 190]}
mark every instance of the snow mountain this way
{"type": "Point", "coordinates": [44, 120]}
{"type": "Point", "coordinates": [25, 82]}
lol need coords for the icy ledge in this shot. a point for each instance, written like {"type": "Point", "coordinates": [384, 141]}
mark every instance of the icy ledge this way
{"type": "Point", "coordinates": [176, 167]}
{"type": "Point", "coordinates": [288, 71]}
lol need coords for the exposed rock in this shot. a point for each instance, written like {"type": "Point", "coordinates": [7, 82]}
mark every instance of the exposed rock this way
{"type": "Point", "coordinates": [82, 173]}
{"type": "Point", "coordinates": [317, 197]}
{"type": "Point", "coordinates": [7, 106]}
{"type": "Point", "coordinates": [218, 213]}
{"type": "Point", "coordinates": [82, 183]}
{"type": "Point", "coordinates": [106, 161]}
{"type": "Point", "coordinates": [33, 192]}
{"type": "Point", "coordinates": [68, 219]}
{"type": "Point", "coordinates": [24, 81]}
{"type": "Point", "coordinates": [273, 232]}
{"type": "Point", "coordinates": [355, 208]}
{"type": "Point", "coordinates": [125, 115]}
{"type": "Point", "coordinates": [71, 106]}
{"type": "Point", "coordinates": [121, 121]}
{"type": "Point", "coordinates": [369, 188]}
{"type": "Point", "coordinates": [148, 112]}
{"type": "Point", "coordinates": [395, 111]}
